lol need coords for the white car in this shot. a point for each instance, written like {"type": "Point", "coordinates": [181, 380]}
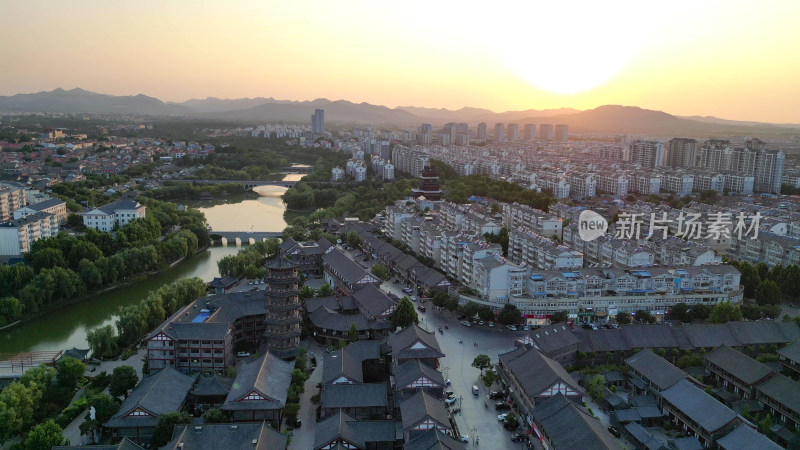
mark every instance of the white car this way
{"type": "Point", "coordinates": [481, 323]}
{"type": "Point", "coordinates": [512, 328]}
{"type": "Point", "coordinates": [449, 401]}
{"type": "Point", "coordinates": [464, 438]}
{"type": "Point", "coordinates": [491, 324]}
{"type": "Point", "coordinates": [243, 354]}
{"type": "Point", "coordinates": [502, 417]}
{"type": "Point", "coordinates": [447, 382]}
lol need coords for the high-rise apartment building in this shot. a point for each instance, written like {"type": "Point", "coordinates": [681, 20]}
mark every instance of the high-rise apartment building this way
{"type": "Point", "coordinates": [425, 128]}
{"type": "Point", "coordinates": [499, 134]}
{"type": "Point", "coordinates": [451, 129]}
{"type": "Point", "coordinates": [681, 152]}
{"type": "Point", "coordinates": [513, 132]}
{"type": "Point", "coordinates": [318, 121]}
{"type": "Point", "coordinates": [529, 132]}
{"type": "Point", "coordinates": [562, 132]}
{"type": "Point", "coordinates": [482, 131]}
{"type": "Point", "coordinates": [546, 132]}
{"type": "Point", "coordinates": [649, 154]}
{"type": "Point", "coordinates": [765, 166]}
{"type": "Point", "coordinates": [462, 128]}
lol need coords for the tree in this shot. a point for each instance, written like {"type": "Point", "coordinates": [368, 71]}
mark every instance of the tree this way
{"type": "Point", "coordinates": [102, 341]}
{"type": "Point", "coordinates": [701, 312]}
{"type": "Point", "coordinates": [105, 406]}
{"type": "Point", "coordinates": [353, 239]}
{"type": "Point", "coordinates": [559, 317]}
{"type": "Point", "coordinates": [768, 293]}
{"type": "Point", "coordinates": [325, 290]}
{"type": "Point", "coordinates": [470, 309]}
{"type": "Point", "coordinates": [74, 220]}
{"type": "Point", "coordinates": [70, 372]}
{"type": "Point", "coordinates": [486, 313]}
{"type": "Point", "coordinates": [10, 310]}
{"type": "Point", "coordinates": [623, 318]}
{"type": "Point", "coordinates": [353, 332]}
{"type": "Point", "coordinates": [17, 404]}
{"type": "Point", "coordinates": [765, 425]}
{"type": "Point", "coordinates": [509, 315]}
{"type": "Point", "coordinates": [482, 362]}
{"type": "Point", "coordinates": [404, 314]}
{"type": "Point", "coordinates": [291, 411]}
{"type": "Point", "coordinates": [166, 423]}
{"type": "Point", "coordinates": [724, 312]}
{"type": "Point", "coordinates": [123, 379]}
{"type": "Point", "coordinates": [379, 270]}
{"type": "Point", "coordinates": [215, 415]}
{"type": "Point", "coordinates": [594, 386]}
{"type": "Point", "coordinates": [681, 312]}
{"type": "Point", "coordinates": [644, 316]}
{"type": "Point", "coordinates": [46, 258]}
{"type": "Point", "coordinates": [306, 292]}
{"type": "Point", "coordinates": [45, 436]}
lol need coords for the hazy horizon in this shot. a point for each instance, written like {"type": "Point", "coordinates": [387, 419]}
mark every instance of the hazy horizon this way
{"type": "Point", "coordinates": [731, 60]}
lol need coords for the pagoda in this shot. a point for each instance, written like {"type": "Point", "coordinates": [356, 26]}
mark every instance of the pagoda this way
{"type": "Point", "coordinates": [428, 185]}
{"type": "Point", "coordinates": [282, 321]}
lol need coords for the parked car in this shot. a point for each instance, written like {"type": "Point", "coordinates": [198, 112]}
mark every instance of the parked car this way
{"type": "Point", "coordinates": [495, 395]}
{"type": "Point", "coordinates": [613, 430]}
{"type": "Point", "coordinates": [491, 324]}
{"type": "Point", "coordinates": [502, 406]}
{"type": "Point", "coordinates": [421, 308]}
{"type": "Point", "coordinates": [502, 417]}
{"type": "Point", "coordinates": [407, 290]}
{"type": "Point", "coordinates": [413, 298]}
{"type": "Point", "coordinates": [243, 354]}
{"type": "Point", "coordinates": [481, 323]}
{"type": "Point", "coordinates": [512, 328]}
{"type": "Point", "coordinates": [464, 438]}
{"type": "Point", "coordinates": [447, 382]}
{"type": "Point", "coordinates": [516, 437]}
{"type": "Point", "coordinates": [586, 326]}
{"type": "Point", "coordinates": [449, 401]}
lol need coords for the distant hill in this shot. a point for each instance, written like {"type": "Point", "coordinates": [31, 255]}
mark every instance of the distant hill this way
{"type": "Point", "coordinates": [80, 100]}
{"type": "Point", "coordinates": [632, 119]}
{"type": "Point", "coordinates": [604, 119]}
{"type": "Point", "coordinates": [475, 115]}
{"type": "Point", "coordinates": [339, 111]}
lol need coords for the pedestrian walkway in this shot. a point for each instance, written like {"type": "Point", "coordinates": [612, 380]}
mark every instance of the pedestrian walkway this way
{"type": "Point", "coordinates": [303, 437]}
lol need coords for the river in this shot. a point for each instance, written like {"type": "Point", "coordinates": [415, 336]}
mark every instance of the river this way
{"type": "Point", "coordinates": [66, 327]}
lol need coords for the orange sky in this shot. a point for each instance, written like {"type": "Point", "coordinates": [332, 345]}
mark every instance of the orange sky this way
{"type": "Point", "coordinates": [730, 59]}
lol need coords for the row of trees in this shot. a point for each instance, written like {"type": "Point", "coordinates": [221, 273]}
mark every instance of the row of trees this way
{"type": "Point", "coordinates": [768, 285]}
{"type": "Point", "coordinates": [460, 189]}
{"type": "Point", "coordinates": [248, 261]}
{"type": "Point", "coordinates": [331, 200]}
{"type": "Point", "coordinates": [184, 191]}
{"type": "Point", "coordinates": [40, 393]}
{"type": "Point", "coordinates": [137, 320]}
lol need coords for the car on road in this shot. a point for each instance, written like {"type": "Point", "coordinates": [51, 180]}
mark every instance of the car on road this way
{"type": "Point", "coordinates": [421, 308]}
{"type": "Point", "coordinates": [449, 401]}
{"type": "Point", "coordinates": [495, 395]}
{"type": "Point", "coordinates": [586, 326]}
{"type": "Point", "coordinates": [413, 298]}
{"type": "Point", "coordinates": [512, 328]}
{"type": "Point", "coordinates": [475, 390]}
{"type": "Point", "coordinates": [481, 323]}
{"type": "Point", "coordinates": [407, 290]}
{"type": "Point", "coordinates": [491, 324]}
{"type": "Point", "coordinates": [464, 438]}
{"type": "Point", "coordinates": [502, 417]}
{"type": "Point", "coordinates": [466, 324]}
{"type": "Point", "coordinates": [613, 430]}
{"type": "Point", "coordinates": [516, 437]}
{"type": "Point", "coordinates": [243, 354]}
{"type": "Point", "coordinates": [502, 406]}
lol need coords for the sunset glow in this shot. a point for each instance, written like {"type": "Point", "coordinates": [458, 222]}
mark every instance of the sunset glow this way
{"type": "Point", "coordinates": [726, 59]}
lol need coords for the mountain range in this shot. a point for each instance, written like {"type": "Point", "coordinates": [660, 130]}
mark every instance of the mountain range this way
{"type": "Point", "coordinates": [604, 119]}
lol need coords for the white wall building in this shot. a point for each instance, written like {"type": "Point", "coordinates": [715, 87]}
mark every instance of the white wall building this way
{"type": "Point", "coordinates": [116, 214]}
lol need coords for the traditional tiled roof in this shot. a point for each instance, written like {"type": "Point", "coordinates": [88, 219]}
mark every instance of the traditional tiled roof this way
{"type": "Point", "coordinates": [156, 394]}
{"type": "Point", "coordinates": [415, 409]}
{"type": "Point", "coordinates": [738, 364]}
{"type": "Point", "coordinates": [434, 440]}
{"type": "Point", "coordinates": [783, 390]}
{"type": "Point", "coordinates": [268, 377]}
{"type": "Point", "coordinates": [212, 386]}
{"type": "Point", "coordinates": [239, 436]}
{"type": "Point", "coordinates": [414, 343]}
{"type": "Point", "coordinates": [354, 395]}
{"type": "Point", "coordinates": [699, 407]}
{"type": "Point", "coordinates": [536, 372]}
{"type": "Point", "coordinates": [746, 437]}
{"type": "Point", "coordinates": [413, 370]}
{"type": "Point", "coordinates": [566, 425]}
{"type": "Point", "coordinates": [342, 427]}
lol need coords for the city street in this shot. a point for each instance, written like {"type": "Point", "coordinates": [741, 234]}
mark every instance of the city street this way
{"type": "Point", "coordinates": [475, 419]}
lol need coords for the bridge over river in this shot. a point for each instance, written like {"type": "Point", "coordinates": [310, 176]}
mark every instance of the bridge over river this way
{"type": "Point", "coordinates": [245, 237]}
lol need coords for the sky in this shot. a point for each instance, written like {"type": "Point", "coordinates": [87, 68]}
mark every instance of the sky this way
{"type": "Point", "coordinates": [730, 59]}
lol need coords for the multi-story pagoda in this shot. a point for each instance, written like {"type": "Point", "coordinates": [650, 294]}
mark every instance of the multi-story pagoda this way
{"type": "Point", "coordinates": [428, 185]}
{"type": "Point", "coordinates": [283, 308]}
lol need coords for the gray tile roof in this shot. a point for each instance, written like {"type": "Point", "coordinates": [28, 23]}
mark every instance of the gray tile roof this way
{"type": "Point", "coordinates": [756, 333]}
{"type": "Point", "coordinates": [689, 443]}
{"type": "Point", "coordinates": [791, 352]}
{"type": "Point", "coordinates": [701, 408]}
{"type": "Point", "coordinates": [403, 341]}
{"type": "Point", "coordinates": [709, 335]}
{"type": "Point", "coordinates": [238, 436]}
{"type": "Point", "coordinates": [415, 409]}
{"type": "Point", "coordinates": [605, 340]}
{"type": "Point", "coordinates": [643, 436]}
{"type": "Point", "coordinates": [434, 440]}
{"type": "Point", "coordinates": [212, 386]}
{"type": "Point", "coordinates": [661, 373]}
{"type": "Point", "coordinates": [342, 427]}
{"type": "Point", "coordinates": [354, 395]}
{"type": "Point", "coordinates": [412, 370]}
{"type": "Point", "coordinates": [746, 437]}
{"type": "Point", "coordinates": [269, 376]}
{"type": "Point", "coordinates": [49, 203]}
{"type": "Point", "coordinates": [783, 390]}
{"type": "Point", "coordinates": [554, 337]}
{"type": "Point", "coordinates": [373, 301]}
{"type": "Point", "coordinates": [326, 318]}
{"type": "Point", "coordinates": [331, 303]}
{"type": "Point", "coordinates": [156, 394]}
{"type": "Point", "coordinates": [124, 203]}
{"type": "Point", "coordinates": [738, 364]}
{"type": "Point", "coordinates": [345, 267]}
{"type": "Point", "coordinates": [339, 364]}
{"type": "Point", "coordinates": [649, 336]}
{"type": "Point", "coordinates": [568, 427]}
{"type": "Point", "coordinates": [536, 372]}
